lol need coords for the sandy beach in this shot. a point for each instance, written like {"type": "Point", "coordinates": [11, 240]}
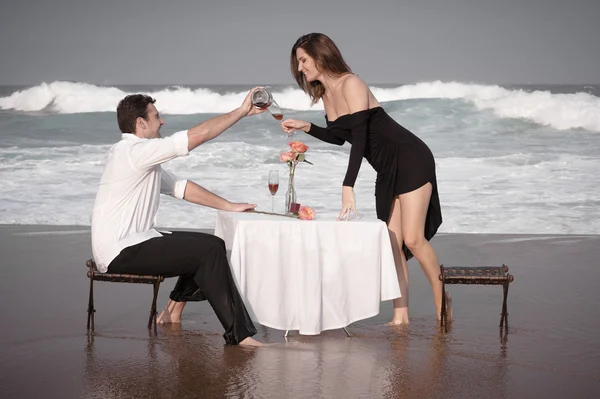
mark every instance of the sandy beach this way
{"type": "Point", "coordinates": [551, 351]}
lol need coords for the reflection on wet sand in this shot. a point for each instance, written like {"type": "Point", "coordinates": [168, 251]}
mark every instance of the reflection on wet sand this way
{"type": "Point", "coordinates": [437, 371]}
{"type": "Point", "coordinates": [378, 362]}
{"type": "Point", "coordinates": [177, 364]}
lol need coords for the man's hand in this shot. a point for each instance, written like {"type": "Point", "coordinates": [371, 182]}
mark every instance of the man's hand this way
{"type": "Point", "coordinates": [239, 207]}
{"type": "Point", "coordinates": [201, 196]}
{"type": "Point", "coordinates": [247, 108]}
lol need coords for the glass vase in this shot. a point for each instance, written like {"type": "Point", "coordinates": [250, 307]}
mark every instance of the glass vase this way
{"type": "Point", "coordinates": [290, 194]}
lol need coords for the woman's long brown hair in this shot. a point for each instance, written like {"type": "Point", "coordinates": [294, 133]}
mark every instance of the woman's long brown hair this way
{"type": "Point", "coordinates": [328, 59]}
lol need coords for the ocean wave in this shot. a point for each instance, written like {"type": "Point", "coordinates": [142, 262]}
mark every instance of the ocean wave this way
{"type": "Point", "coordinates": [516, 193]}
{"type": "Point", "coordinates": [560, 111]}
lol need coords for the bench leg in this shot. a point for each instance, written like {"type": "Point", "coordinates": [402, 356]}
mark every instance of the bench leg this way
{"type": "Point", "coordinates": [152, 319]}
{"type": "Point", "coordinates": [504, 316]}
{"type": "Point", "coordinates": [443, 320]}
{"type": "Point", "coordinates": [91, 309]}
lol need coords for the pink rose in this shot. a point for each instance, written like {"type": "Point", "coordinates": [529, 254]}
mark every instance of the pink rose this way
{"type": "Point", "coordinates": [298, 147]}
{"type": "Point", "coordinates": [287, 156]}
{"type": "Point", "coordinates": [306, 213]}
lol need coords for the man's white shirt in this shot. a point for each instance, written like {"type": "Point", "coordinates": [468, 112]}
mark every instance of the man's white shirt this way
{"type": "Point", "coordinates": [128, 197]}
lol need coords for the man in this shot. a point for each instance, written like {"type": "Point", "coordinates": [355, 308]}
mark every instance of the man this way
{"type": "Point", "coordinates": [123, 237]}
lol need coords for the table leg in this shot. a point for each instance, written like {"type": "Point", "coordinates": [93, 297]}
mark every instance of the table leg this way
{"type": "Point", "coordinates": [347, 332]}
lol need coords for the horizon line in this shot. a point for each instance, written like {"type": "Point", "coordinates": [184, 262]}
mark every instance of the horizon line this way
{"type": "Point", "coordinates": [113, 84]}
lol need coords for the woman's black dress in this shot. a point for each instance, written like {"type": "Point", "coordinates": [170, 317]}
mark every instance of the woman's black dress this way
{"type": "Point", "coordinates": [403, 162]}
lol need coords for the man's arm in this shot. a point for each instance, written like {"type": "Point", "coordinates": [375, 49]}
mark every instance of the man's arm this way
{"type": "Point", "coordinates": [211, 128]}
{"type": "Point", "coordinates": [201, 196]}
{"type": "Point", "coordinates": [148, 153]}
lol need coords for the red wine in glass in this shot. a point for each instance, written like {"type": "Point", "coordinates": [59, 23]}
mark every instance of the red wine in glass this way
{"type": "Point", "coordinates": [273, 186]}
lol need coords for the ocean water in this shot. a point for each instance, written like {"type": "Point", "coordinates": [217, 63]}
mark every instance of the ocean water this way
{"type": "Point", "coordinates": [510, 159]}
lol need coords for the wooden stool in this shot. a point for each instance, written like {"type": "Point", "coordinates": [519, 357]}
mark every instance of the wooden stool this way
{"type": "Point", "coordinates": [94, 274]}
{"type": "Point", "coordinates": [486, 275]}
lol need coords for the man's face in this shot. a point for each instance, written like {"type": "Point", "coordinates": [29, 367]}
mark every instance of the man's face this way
{"type": "Point", "coordinates": [151, 125]}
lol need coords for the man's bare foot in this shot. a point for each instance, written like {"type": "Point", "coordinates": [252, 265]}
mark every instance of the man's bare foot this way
{"type": "Point", "coordinates": [400, 317]}
{"type": "Point", "coordinates": [171, 313]}
{"type": "Point", "coordinates": [251, 342]}
{"type": "Point", "coordinates": [165, 317]}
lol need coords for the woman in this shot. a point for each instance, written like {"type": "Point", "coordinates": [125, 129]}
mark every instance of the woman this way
{"type": "Point", "coordinates": [405, 189]}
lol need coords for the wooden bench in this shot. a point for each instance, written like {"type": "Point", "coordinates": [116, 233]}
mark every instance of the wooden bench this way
{"type": "Point", "coordinates": [486, 275]}
{"type": "Point", "coordinates": [94, 274]}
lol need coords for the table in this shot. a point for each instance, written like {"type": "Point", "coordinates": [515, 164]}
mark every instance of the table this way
{"type": "Point", "coordinates": [309, 276]}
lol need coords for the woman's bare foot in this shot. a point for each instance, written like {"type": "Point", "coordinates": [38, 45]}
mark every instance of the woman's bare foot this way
{"type": "Point", "coordinates": [400, 317]}
{"type": "Point", "coordinates": [251, 342]}
{"type": "Point", "coordinates": [171, 313]}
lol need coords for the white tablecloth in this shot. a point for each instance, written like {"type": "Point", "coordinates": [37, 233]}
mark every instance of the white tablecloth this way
{"type": "Point", "coordinates": [309, 276]}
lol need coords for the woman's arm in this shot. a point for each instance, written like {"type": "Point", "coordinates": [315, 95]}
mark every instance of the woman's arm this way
{"type": "Point", "coordinates": [356, 94]}
{"type": "Point", "coordinates": [318, 132]}
{"type": "Point", "coordinates": [324, 135]}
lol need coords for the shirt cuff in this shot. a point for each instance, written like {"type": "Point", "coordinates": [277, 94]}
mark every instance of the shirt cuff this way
{"type": "Point", "coordinates": [179, 190]}
{"type": "Point", "coordinates": [181, 142]}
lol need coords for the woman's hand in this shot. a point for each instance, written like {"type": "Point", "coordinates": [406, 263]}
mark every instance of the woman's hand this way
{"type": "Point", "coordinates": [289, 125]}
{"type": "Point", "coordinates": [348, 203]}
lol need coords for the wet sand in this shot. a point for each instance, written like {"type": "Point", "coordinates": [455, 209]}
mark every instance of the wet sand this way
{"type": "Point", "coordinates": [552, 349]}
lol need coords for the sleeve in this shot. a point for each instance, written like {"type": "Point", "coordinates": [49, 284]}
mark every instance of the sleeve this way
{"type": "Point", "coordinates": [324, 135]}
{"type": "Point", "coordinates": [172, 185]}
{"type": "Point", "coordinates": [148, 153]}
{"type": "Point", "coordinates": [358, 124]}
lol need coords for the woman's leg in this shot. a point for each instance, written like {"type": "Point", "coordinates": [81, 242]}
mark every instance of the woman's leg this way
{"type": "Point", "coordinates": [414, 207]}
{"type": "Point", "coordinates": [395, 230]}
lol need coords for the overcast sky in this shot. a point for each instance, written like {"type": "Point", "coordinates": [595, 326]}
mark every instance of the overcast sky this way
{"type": "Point", "coordinates": [247, 42]}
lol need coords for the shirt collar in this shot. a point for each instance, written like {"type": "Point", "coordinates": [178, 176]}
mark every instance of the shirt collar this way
{"type": "Point", "coordinates": [130, 136]}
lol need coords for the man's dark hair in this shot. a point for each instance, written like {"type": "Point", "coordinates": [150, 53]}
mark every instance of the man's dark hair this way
{"type": "Point", "coordinates": [130, 108]}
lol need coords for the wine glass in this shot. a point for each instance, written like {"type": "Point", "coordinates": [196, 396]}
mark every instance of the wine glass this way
{"type": "Point", "coordinates": [291, 134]}
{"type": "Point", "coordinates": [273, 186]}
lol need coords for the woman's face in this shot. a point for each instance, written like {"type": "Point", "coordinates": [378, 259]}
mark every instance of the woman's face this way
{"type": "Point", "coordinates": [307, 66]}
